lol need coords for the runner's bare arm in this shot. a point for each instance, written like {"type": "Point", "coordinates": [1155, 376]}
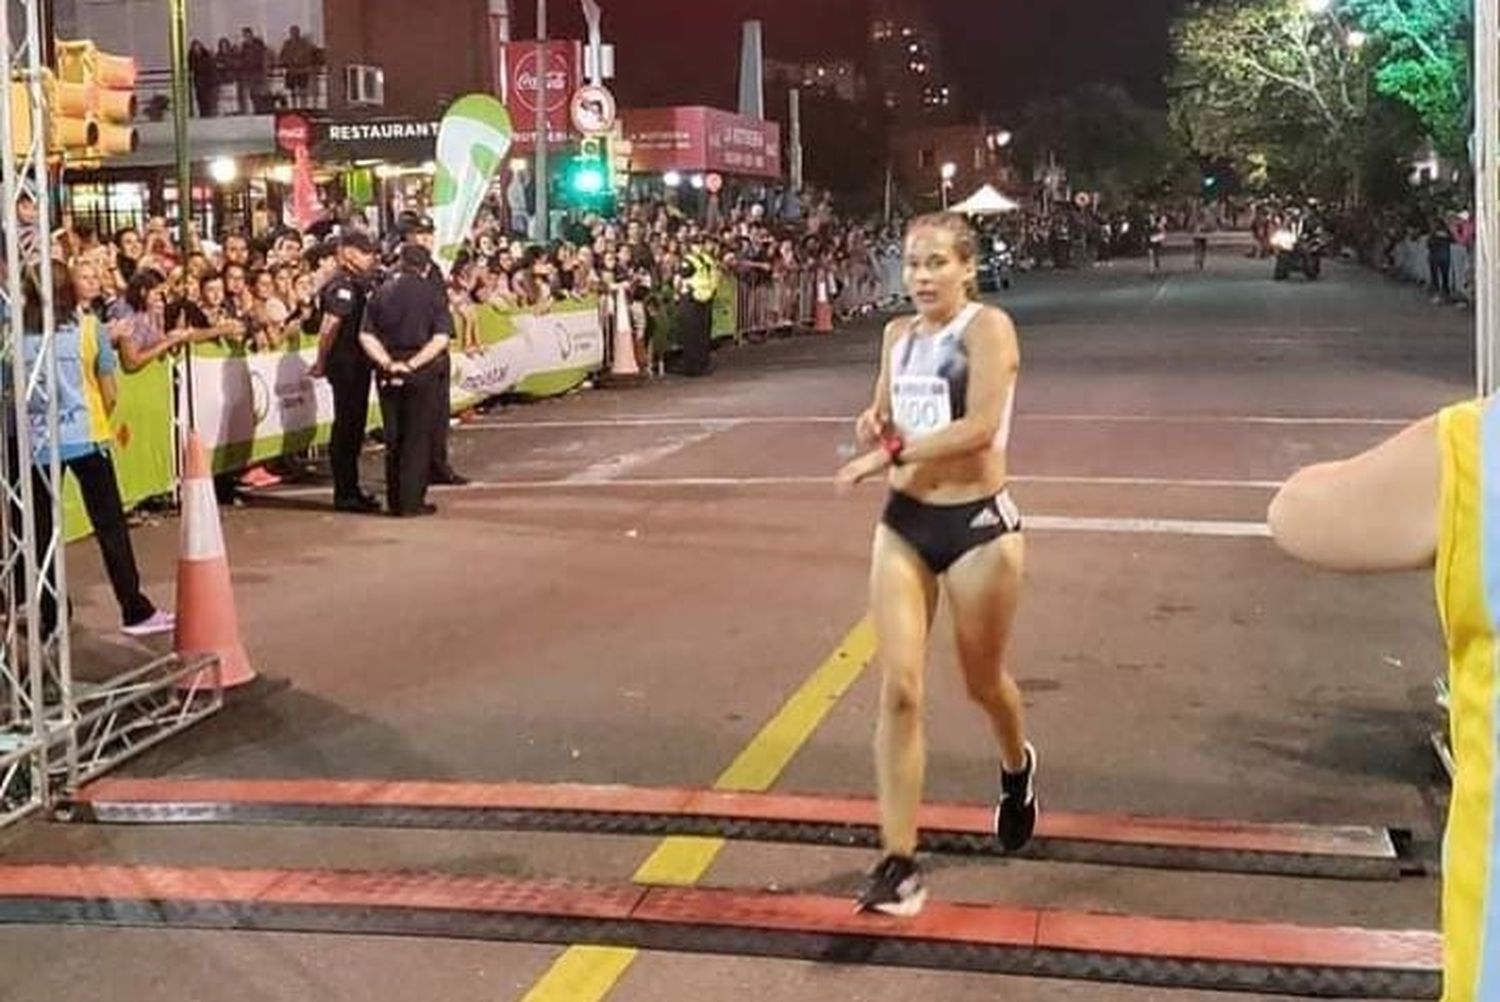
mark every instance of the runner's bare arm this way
{"type": "Point", "coordinates": [870, 425]}
{"type": "Point", "coordinates": [1377, 511]}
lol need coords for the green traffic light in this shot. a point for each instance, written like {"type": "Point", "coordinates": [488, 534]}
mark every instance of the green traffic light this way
{"type": "Point", "coordinates": [588, 180]}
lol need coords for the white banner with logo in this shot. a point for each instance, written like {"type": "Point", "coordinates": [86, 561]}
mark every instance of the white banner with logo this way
{"type": "Point", "coordinates": [254, 407]}
{"type": "Point", "coordinates": [534, 353]}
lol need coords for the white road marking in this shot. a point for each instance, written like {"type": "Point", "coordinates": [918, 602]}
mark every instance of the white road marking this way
{"type": "Point", "coordinates": [1148, 526]}
{"type": "Point", "coordinates": [642, 421]}
{"type": "Point", "coordinates": [613, 468]}
{"type": "Point", "coordinates": [1262, 485]}
{"type": "Point", "coordinates": [578, 480]}
{"type": "Point", "coordinates": [1038, 523]}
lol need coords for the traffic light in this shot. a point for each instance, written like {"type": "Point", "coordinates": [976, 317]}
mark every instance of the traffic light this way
{"type": "Point", "coordinates": [20, 120]}
{"type": "Point", "coordinates": [586, 178]}
{"type": "Point", "coordinates": [619, 152]}
{"type": "Point", "coordinates": [591, 176]}
{"type": "Point", "coordinates": [108, 88]}
{"type": "Point", "coordinates": [71, 130]}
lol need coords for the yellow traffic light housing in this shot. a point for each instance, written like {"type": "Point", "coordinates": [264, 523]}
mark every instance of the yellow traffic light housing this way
{"type": "Point", "coordinates": [20, 120]}
{"type": "Point", "coordinates": [109, 82]}
{"type": "Point", "coordinates": [70, 107]}
{"type": "Point", "coordinates": [71, 129]}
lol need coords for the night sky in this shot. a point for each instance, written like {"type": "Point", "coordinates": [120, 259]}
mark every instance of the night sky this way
{"type": "Point", "coordinates": [1001, 53]}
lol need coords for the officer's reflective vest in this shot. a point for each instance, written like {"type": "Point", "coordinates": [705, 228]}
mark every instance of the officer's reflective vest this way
{"type": "Point", "coordinates": [704, 281]}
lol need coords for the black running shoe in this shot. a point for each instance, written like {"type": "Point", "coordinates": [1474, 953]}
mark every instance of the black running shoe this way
{"type": "Point", "coordinates": [894, 887]}
{"type": "Point", "coordinates": [1015, 817]}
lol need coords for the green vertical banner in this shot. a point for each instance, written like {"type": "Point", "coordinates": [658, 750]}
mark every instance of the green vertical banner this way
{"type": "Point", "coordinates": [726, 309]}
{"type": "Point", "coordinates": [142, 446]}
{"type": "Point", "coordinates": [359, 185]}
{"type": "Point", "coordinates": [473, 139]}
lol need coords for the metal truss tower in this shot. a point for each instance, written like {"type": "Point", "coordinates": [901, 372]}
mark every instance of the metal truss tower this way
{"type": "Point", "coordinates": [54, 733]}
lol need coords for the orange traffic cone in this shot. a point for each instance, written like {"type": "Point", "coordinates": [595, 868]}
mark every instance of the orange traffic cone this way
{"type": "Point", "coordinates": [206, 620]}
{"type": "Point", "coordinates": [822, 309]}
{"type": "Point", "coordinates": [624, 347]}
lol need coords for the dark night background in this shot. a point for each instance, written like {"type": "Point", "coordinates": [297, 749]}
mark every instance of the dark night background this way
{"type": "Point", "coordinates": [1000, 53]}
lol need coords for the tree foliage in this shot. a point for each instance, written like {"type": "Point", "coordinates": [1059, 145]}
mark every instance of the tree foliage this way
{"type": "Point", "coordinates": [1107, 141]}
{"type": "Point", "coordinates": [1265, 80]}
{"type": "Point", "coordinates": [1421, 49]}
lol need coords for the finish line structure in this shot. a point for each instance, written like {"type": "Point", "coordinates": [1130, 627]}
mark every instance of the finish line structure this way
{"type": "Point", "coordinates": [1334, 852]}
{"type": "Point", "coordinates": [1167, 953]}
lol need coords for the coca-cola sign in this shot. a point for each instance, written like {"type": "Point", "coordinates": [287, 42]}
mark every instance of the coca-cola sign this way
{"type": "Point", "coordinates": [293, 132]}
{"type": "Point", "coordinates": [558, 82]}
{"type": "Point", "coordinates": [559, 79]}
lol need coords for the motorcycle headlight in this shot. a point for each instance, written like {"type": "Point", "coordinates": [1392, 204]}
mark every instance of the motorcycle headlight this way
{"type": "Point", "coordinates": [1283, 240]}
{"type": "Point", "coordinates": [1124, 228]}
{"type": "Point", "coordinates": [1001, 246]}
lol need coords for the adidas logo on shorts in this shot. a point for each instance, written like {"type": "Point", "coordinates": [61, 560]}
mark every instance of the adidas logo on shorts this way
{"type": "Point", "coordinates": [987, 518]}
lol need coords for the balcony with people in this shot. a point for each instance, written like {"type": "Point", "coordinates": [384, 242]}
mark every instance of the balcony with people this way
{"type": "Point", "coordinates": [247, 77]}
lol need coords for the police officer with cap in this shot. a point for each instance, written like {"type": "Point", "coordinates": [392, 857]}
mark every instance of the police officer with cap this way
{"type": "Point", "coordinates": [342, 360]}
{"type": "Point", "coordinates": [419, 231]}
{"type": "Point", "coordinates": [406, 331]}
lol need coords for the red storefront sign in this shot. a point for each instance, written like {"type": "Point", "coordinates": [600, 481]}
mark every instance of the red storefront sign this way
{"type": "Point", "coordinates": [696, 139]}
{"type": "Point", "coordinates": [525, 68]}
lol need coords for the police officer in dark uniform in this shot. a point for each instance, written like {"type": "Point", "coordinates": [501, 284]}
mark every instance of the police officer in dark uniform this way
{"type": "Point", "coordinates": [344, 363]}
{"type": "Point", "coordinates": [419, 230]}
{"type": "Point", "coordinates": [406, 331]}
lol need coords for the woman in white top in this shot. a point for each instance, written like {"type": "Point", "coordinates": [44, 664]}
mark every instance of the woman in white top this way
{"type": "Point", "coordinates": [938, 429]}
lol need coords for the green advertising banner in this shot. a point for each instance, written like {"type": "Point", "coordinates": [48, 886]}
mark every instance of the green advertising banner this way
{"type": "Point", "coordinates": [542, 354]}
{"type": "Point", "coordinates": [726, 310]}
{"type": "Point", "coordinates": [472, 141]}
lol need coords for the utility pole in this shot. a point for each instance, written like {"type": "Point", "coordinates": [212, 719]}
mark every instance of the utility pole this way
{"type": "Point", "coordinates": [1486, 156]}
{"type": "Point", "coordinates": [542, 221]}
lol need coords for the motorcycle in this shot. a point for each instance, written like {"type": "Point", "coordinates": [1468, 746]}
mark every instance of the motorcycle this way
{"type": "Point", "coordinates": [997, 266]}
{"type": "Point", "coordinates": [1299, 246]}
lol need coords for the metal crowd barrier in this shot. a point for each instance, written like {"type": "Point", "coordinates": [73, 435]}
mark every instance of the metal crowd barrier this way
{"type": "Point", "coordinates": [764, 303]}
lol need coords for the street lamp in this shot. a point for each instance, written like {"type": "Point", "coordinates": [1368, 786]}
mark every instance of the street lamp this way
{"type": "Point", "coordinates": [999, 140]}
{"type": "Point", "coordinates": [223, 170]}
{"type": "Point", "coordinates": [948, 171]}
{"type": "Point", "coordinates": [1356, 39]}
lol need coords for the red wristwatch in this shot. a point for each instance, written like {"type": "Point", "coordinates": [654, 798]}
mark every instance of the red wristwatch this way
{"type": "Point", "coordinates": [893, 445]}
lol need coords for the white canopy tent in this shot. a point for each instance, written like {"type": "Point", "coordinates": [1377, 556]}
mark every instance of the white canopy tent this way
{"type": "Point", "coordinates": [987, 201]}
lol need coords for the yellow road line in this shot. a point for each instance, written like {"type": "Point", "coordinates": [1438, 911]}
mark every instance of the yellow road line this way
{"type": "Point", "coordinates": [587, 973]}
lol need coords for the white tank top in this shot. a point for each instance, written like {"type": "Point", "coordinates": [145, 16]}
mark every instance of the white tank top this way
{"type": "Point", "coordinates": [930, 380]}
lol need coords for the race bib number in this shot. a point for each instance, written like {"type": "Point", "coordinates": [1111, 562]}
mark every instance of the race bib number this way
{"type": "Point", "coordinates": [920, 405]}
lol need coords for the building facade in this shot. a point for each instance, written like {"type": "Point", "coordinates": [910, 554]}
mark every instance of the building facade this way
{"type": "Point", "coordinates": [907, 68]}
{"type": "Point", "coordinates": [336, 62]}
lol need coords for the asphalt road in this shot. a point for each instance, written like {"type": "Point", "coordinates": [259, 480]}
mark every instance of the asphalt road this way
{"type": "Point", "coordinates": [640, 578]}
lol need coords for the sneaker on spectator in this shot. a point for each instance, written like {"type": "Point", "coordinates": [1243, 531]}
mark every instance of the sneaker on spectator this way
{"type": "Point", "coordinates": [259, 476]}
{"type": "Point", "coordinates": [158, 622]}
